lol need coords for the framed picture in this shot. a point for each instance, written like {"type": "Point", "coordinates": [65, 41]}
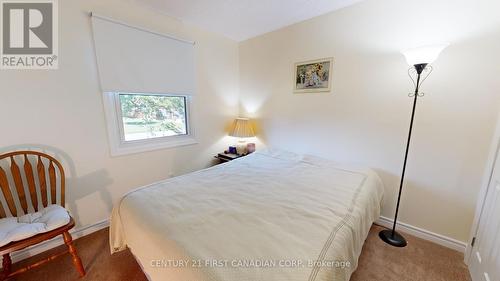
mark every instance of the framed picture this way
{"type": "Point", "coordinates": [313, 76]}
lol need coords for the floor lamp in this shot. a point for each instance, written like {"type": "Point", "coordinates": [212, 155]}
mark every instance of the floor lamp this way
{"type": "Point", "coordinates": [419, 60]}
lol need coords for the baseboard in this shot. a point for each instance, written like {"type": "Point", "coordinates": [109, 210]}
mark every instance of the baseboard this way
{"type": "Point", "coordinates": [424, 234]}
{"type": "Point", "coordinates": [57, 241]}
{"type": "Point", "coordinates": [382, 221]}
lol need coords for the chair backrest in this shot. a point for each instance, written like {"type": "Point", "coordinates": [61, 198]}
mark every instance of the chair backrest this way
{"type": "Point", "coordinates": [32, 172]}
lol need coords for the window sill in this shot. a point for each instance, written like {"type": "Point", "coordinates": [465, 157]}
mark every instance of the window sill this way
{"type": "Point", "coordinates": [132, 147]}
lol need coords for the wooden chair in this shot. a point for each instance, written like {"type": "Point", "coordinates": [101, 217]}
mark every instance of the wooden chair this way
{"type": "Point", "coordinates": [17, 202]}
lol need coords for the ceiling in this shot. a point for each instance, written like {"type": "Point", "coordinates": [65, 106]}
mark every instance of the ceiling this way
{"type": "Point", "coordinates": [244, 19]}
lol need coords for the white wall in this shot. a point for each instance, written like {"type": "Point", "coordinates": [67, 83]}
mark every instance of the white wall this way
{"type": "Point", "coordinates": [365, 120]}
{"type": "Point", "coordinates": [62, 110]}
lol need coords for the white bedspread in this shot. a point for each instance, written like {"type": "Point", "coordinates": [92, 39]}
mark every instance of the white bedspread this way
{"type": "Point", "coordinates": [268, 216]}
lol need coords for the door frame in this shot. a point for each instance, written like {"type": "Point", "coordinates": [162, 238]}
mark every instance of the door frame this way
{"type": "Point", "coordinates": [483, 192]}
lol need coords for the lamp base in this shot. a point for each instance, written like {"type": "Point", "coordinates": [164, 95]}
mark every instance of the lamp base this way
{"type": "Point", "coordinates": [241, 147]}
{"type": "Point", "coordinates": [396, 240]}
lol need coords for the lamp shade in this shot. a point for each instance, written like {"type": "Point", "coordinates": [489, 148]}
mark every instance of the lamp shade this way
{"type": "Point", "coordinates": [425, 54]}
{"type": "Point", "coordinates": [242, 128]}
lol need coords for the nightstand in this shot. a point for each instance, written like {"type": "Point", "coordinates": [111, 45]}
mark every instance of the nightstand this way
{"type": "Point", "coordinates": [226, 157]}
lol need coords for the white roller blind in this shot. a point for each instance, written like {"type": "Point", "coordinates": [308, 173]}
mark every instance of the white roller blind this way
{"type": "Point", "coordinates": [132, 59]}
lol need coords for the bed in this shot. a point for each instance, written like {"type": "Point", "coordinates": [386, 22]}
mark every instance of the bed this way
{"type": "Point", "coordinates": [272, 215]}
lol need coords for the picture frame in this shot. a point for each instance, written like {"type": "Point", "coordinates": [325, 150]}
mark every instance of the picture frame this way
{"type": "Point", "coordinates": [313, 76]}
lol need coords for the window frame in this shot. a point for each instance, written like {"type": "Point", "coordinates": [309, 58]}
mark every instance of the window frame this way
{"type": "Point", "coordinates": [116, 134]}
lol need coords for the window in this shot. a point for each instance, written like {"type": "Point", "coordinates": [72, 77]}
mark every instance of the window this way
{"type": "Point", "coordinates": [142, 121]}
{"type": "Point", "coordinates": [148, 80]}
{"type": "Point", "coordinates": [152, 116]}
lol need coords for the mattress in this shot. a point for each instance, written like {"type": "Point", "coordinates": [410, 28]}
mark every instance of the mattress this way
{"type": "Point", "coordinates": [271, 215]}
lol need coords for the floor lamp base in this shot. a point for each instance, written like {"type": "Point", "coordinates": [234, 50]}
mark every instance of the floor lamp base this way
{"type": "Point", "coordinates": [395, 239]}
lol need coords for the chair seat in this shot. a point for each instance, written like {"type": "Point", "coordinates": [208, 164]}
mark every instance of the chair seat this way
{"type": "Point", "coordinates": [14, 229]}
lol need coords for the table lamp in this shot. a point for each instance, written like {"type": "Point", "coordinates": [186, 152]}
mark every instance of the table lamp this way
{"type": "Point", "coordinates": [242, 129]}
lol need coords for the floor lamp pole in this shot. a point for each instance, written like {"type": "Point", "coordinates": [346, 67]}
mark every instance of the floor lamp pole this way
{"type": "Point", "coordinates": [392, 237]}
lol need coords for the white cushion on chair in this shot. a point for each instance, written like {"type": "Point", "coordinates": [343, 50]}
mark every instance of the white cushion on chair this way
{"type": "Point", "coordinates": [45, 220]}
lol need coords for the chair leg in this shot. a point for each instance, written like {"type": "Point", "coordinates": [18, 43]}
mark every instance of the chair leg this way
{"type": "Point", "coordinates": [77, 262]}
{"type": "Point", "coordinates": [7, 266]}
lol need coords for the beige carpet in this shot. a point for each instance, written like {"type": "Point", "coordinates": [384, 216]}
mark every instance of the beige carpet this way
{"type": "Point", "coordinates": [419, 261]}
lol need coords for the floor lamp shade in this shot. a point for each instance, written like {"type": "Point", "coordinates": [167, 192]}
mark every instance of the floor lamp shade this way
{"type": "Point", "coordinates": [242, 128]}
{"type": "Point", "coordinates": [423, 55]}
